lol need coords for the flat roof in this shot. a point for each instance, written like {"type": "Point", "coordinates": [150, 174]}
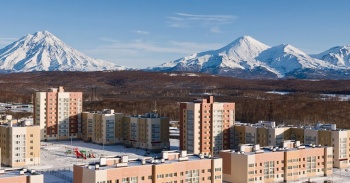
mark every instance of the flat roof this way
{"type": "Point", "coordinates": [274, 149]}
{"type": "Point", "coordinates": [151, 161]}
{"type": "Point", "coordinates": [15, 173]}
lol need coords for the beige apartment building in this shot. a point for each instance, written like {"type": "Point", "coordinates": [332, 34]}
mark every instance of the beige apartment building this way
{"type": "Point", "coordinates": [58, 113]}
{"type": "Point", "coordinates": [102, 127]}
{"type": "Point", "coordinates": [205, 125]}
{"type": "Point", "coordinates": [270, 164]}
{"type": "Point", "coordinates": [173, 167]}
{"type": "Point", "coordinates": [149, 131]}
{"type": "Point", "coordinates": [20, 145]}
{"type": "Point", "coordinates": [268, 134]}
{"type": "Point", "coordinates": [20, 176]}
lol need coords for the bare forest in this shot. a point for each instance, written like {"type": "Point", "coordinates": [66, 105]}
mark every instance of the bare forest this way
{"type": "Point", "coordinates": [136, 92]}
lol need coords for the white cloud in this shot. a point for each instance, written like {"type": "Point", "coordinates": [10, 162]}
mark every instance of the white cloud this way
{"type": "Point", "coordinates": [141, 32]}
{"type": "Point", "coordinates": [183, 20]}
{"type": "Point", "coordinates": [215, 29]}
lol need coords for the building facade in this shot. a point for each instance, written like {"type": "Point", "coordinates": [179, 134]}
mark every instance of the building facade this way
{"type": "Point", "coordinates": [149, 131]}
{"type": "Point", "coordinates": [20, 176]}
{"type": "Point", "coordinates": [268, 134]}
{"type": "Point", "coordinates": [58, 113]}
{"type": "Point", "coordinates": [205, 125]}
{"type": "Point", "coordinates": [20, 145]}
{"type": "Point", "coordinates": [102, 127]}
{"type": "Point", "coordinates": [270, 164]}
{"type": "Point", "coordinates": [173, 167]}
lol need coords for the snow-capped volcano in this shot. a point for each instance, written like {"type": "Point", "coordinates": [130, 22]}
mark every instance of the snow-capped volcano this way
{"type": "Point", "coordinates": [249, 58]}
{"type": "Point", "coordinates": [43, 51]}
{"type": "Point", "coordinates": [339, 55]}
{"type": "Point", "coordinates": [236, 56]}
{"type": "Point", "coordinates": [239, 54]}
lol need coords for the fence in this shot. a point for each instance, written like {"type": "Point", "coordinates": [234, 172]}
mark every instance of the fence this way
{"type": "Point", "coordinates": [59, 173]}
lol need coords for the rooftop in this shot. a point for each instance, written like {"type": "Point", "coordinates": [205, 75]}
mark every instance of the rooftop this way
{"type": "Point", "coordinates": [249, 149]}
{"type": "Point", "coordinates": [123, 161]}
{"type": "Point", "coordinates": [271, 124]}
{"type": "Point", "coordinates": [13, 172]}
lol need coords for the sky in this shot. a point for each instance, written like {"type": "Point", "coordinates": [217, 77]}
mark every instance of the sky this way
{"type": "Point", "coordinates": [140, 33]}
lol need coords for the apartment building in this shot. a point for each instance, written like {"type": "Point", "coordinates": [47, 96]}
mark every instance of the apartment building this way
{"type": "Point", "coordinates": [58, 113]}
{"type": "Point", "coordinates": [205, 125]}
{"type": "Point", "coordinates": [20, 176]}
{"type": "Point", "coordinates": [289, 163]}
{"type": "Point", "coordinates": [149, 131]}
{"type": "Point", "coordinates": [268, 134]}
{"type": "Point", "coordinates": [20, 145]}
{"type": "Point", "coordinates": [175, 167]}
{"type": "Point", "coordinates": [102, 127]}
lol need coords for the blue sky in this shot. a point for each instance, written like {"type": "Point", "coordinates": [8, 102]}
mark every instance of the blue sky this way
{"type": "Point", "coordinates": [148, 33]}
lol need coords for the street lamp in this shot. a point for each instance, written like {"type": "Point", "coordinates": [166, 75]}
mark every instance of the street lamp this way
{"type": "Point", "coordinates": [71, 140]}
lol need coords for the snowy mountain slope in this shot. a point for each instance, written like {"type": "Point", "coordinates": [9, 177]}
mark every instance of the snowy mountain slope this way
{"type": "Point", "coordinates": [42, 51]}
{"type": "Point", "coordinates": [286, 58]}
{"type": "Point", "coordinates": [247, 57]}
{"type": "Point", "coordinates": [239, 54]}
{"type": "Point", "coordinates": [339, 56]}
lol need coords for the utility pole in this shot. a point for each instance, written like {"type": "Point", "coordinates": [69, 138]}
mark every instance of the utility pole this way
{"type": "Point", "coordinates": [155, 107]}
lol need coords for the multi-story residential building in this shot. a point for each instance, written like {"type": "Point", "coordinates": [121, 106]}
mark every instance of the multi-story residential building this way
{"type": "Point", "coordinates": [149, 131]}
{"type": "Point", "coordinates": [271, 164]}
{"type": "Point", "coordinates": [173, 167]}
{"type": "Point", "coordinates": [268, 134]}
{"type": "Point", "coordinates": [205, 125]}
{"type": "Point", "coordinates": [20, 145]}
{"type": "Point", "coordinates": [20, 175]}
{"type": "Point", "coordinates": [58, 113]}
{"type": "Point", "coordinates": [102, 127]}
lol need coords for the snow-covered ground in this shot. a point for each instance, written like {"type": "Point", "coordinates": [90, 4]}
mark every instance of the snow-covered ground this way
{"type": "Point", "coordinates": [279, 92]}
{"type": "Point", "coordinates": [337, 97]}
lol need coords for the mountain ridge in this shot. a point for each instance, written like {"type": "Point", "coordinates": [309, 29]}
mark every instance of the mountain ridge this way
{"type": "Point", "coordinates": [247, 56]}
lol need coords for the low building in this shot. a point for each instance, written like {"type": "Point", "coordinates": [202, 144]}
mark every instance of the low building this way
{"type": "Point", "coordinates": [20, 144]}
{"type": "Point", "coordinates": [20, 176]}
{"type": "Point", "coordinates": [149, 131]}
{"type": "Point", "coordinates": [290, 162]}
{"type": "Point", "coordinates": [266, 133]}
{"type": "Point", "coordinates": [5, 118]}
{"type": "Point", "coordinates": [173, 167]}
